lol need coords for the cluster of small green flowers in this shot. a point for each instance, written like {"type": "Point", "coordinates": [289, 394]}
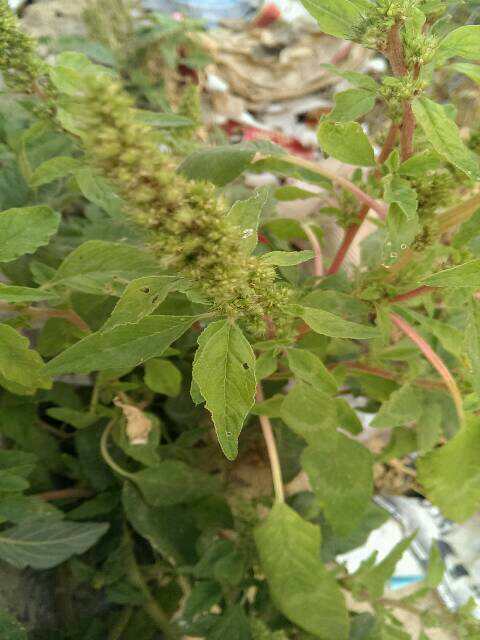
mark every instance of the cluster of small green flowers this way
{"type": "Point", "coordinates": [192, 233]}
{"type": "Point", "coordinates": [434, 191]}
{"type": "Point", "coordinates": [20, 65]}
{"type": "Point", "coordinates": [419, 49]}
{"type": "Point", "coordinates": [111, 23]}
{"type": "Point", "coordinates": [395, 91]}
{"type": "Point", "coordinates": [377, 20]}
{"type": "Point", "coordinates": [190, 107]}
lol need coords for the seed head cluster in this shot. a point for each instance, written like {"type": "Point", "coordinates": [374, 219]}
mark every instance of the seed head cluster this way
{"type": "Point", "coordinates": [191, 231]}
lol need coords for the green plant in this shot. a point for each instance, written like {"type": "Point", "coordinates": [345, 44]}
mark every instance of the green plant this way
{"type": "Point", "coordinates": [139, 311]}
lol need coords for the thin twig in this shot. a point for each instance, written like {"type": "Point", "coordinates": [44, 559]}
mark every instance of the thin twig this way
{"type": "Point", "coordinates": [434, 359]}
{"type": "Point", "coordinates": [65, 494]}
{"type": "Point", "coordinates": [317, 250]}
{"type": "Point", "coordinates": [41, 312]}
{"type": "Point", "coordinates": [272, 451]}
{"type": "Point", "coordinates": [379, 207]}
{"type": "Point", "coordinates": [349, 237]}
{"type": "Point", "coordinates": [106, 455]}
{"type": "Point", "coordinates": [419, 291]}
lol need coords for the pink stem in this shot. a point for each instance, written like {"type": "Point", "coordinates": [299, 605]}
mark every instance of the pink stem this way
{"type": "Point", "coordinates": [435, 360]}
{"type": "Point", "coordinates": [412, 294]}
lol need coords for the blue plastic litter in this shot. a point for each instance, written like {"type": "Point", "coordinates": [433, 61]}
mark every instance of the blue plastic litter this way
{"type": "Point", "coordinates": [211, 11]}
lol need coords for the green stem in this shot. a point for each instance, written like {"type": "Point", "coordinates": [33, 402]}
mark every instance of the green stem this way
{"type": "Point", "coordinates": [272, 451]}
{"type": "Point", "coordinates": [317, 250]}
{"type": "Point", "coordinates": [106, 455]}
{"type": "Point", "coordinates": [121, 624]}
{"type": "Point", "coordinates": [151, 606]}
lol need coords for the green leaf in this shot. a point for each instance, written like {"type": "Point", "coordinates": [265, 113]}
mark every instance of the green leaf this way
{"type": "Point", "coordinates": [449, 337]}
{"type": "Point", "coordinates": [429, 427]}
{"type": "Point", "coordinates": [329, 324]}
{"type": "Point", "coordinates": [18, 363]}
{"type": "Point", "coordinates": [436, 567]}
{"type": "Point", "coordinates": [123, 347]}
{"type": "Point", "coordinates": [286, 258]}
{"type": "Point", "coordinates": [163, 120]}
{"type": "Point", "coordinates": [308, 367]}
{"type": "Point", "coordinates": [77, 419]}
{"type": "Point", "coordinates": [420, 163]}
{"type": "Point", "coordinates": [171, 531]}
{"type": "Point", "coordinates": [219, 165]}
{"type": "Point", "coordinates": [373, 578]}
{"type": "Point", "coordinates": [141, 297]}
{"type": "Point", "coordinates": [43, 543]}
{"type": "Point", "coordinates": [19, 463]}
{"type": "Point", "coordinates": [97, 267]}
{"type": "Point", "coordinates": [24, 230]}
{"type": "Point", "coordinates": [351, 105]}
{"type": "Point", "coordinates": [233, 624]}
{"type": "Point", "coordinates": [472, 71]}
{"type": "Point", "coordinates": [346, 141]}
{"type": "Point", "coordinates": [451, 474]}
{"type": "Point", "coordinates": [245, 214]}
{"type": "Point", "coordinates": [337, 18]}
{"type": "Point", "coordinates": [444, 136]}
{"type": "Point", "coordinates": [225, 374]}
{"type": "Point", "coordinates": [403, 406]}
{"type": "Point", "coordinates": [402, 218]}
{"type": "Point", "coordinates": [162, 376]}
{"type": "Point", "coordinates": [97, 190]}
{"type": "Point", "coordinates": [10, 628]}
{"type": "Point", "coordinates": [472, 343]}
{"type": "Point", "coordinates": [361, 80]}
{"type": "Point", "coordinates": [463, 42]}
{"type": "Point", "coordinates": [15, 294]}
{"type": "Point", "coordinates": [347, 417]}
{"type": "Point", "coordinates": [340, 471]}
{"type": "Point", "coordinates": [173, 482]}
{"type": "Point", "coordinates": [300, 586]}
{"type": "Point", "coordinates": [309, 412]}
{"type": "Point", "coordinates": [53, 169]}
{"type": "Point", "coordinates": [271, 407]}
{"type": "Point", "coordinates": [463, 275]}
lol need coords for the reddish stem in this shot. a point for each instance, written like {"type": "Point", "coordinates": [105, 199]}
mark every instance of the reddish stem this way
{"type": "Point", "coordinates": [396, 58]}
{"type": "Point", "coordinates": [434, 359]}
{"type": "Point", "coordinates": [351, 232]}
{"type": "Point", "coordinates": [349, 237]}
{"type": "Point", "coordinates": [419, 291]}
{"type": "Point", "coordinates": [63, 494]}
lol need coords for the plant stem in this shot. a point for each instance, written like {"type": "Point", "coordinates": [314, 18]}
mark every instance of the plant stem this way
{"type": "Point", "coordinates": [352, 230]}
{"type": "Point", "coordinates": [317, 249]}
{"type": "Point", "coordinates": [349, 237]}
{"type": "Point", "coordinates": [380, 207]}
{"type": "Point", "coordinates": [106, 455]}
{"type": "Point", "coordinates": [387, 375]}
{"type": "Point", "coordinates": [396, 58]}
{"type": "Point", "coordinates": [151, 606]}
{"type": "Point", "coordinates": [121, 624]}
{"type": "Point", "coordinates": [434, 360]}
{"type": "Point", "coordinates": [419, 291]}
{"type": "Point", "coordinates": [272, 451]}
{"type": "Point", "coordinates": [64, 494]}
{"type": "Point", "coordinates": [40, 312]}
